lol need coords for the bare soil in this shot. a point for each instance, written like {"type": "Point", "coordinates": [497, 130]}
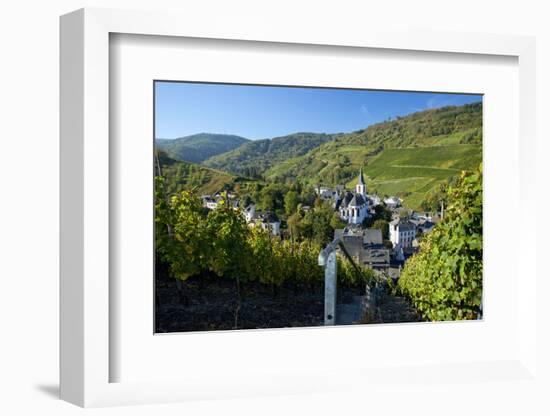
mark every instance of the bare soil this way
{"type": "Point", "coordinates": [211, 303]}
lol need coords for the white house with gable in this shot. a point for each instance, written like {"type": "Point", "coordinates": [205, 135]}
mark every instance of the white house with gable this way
{"type": "Point", "coordinates": [402, 232]}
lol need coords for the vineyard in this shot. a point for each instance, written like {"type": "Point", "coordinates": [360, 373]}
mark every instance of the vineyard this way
{"type": "Point", "coordinates": [202, 245]}
{"type": "Point", "coordinates": [444, 279]}
{"type": "Point", "coordinates": [239, 224]}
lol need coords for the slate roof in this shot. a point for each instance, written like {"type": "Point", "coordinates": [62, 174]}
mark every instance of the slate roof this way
{"type": "Point", "coordinates": [377, 257]}
{"type": "Point", "coordinates": [348, 196]}
{"type": "Point", "coordinates": [427, 225]}
{"type": "Point", "coordinates": [406, 225]}
{"type": "Point", "coordinates": [354, 245]}
{"type": "Point", "coordinates": [357, 200]}
{"type": "Point", "coordinates": [365, 245]}
{"type": "Point", "coordinates": [372, 236]}
{"type": "Point", "coordinates": [352, 199]}
{"type": "Point", "coordinates": [269, 217]}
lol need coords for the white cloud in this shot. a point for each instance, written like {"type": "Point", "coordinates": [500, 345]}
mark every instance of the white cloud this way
{"type": "Point", "coordinates": [365, 110]}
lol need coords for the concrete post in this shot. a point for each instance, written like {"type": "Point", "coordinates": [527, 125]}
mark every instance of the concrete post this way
{"type": "Point", "coordinates": [330, 289]}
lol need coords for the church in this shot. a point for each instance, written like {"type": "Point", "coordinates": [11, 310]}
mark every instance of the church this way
{"type": "Point", "coordinates": [354, 206]}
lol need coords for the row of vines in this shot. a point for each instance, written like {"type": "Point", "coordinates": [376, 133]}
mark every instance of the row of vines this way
{"type": "Point", "coordinates": [444, 279]}
{"type": "Point", "coordinates": [192, 240]}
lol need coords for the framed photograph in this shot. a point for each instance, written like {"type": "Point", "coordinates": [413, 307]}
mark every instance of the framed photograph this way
{"type": "Point", "coordinates": [246, 215]}
{"type": "Point", "coordinates": [317, 220]}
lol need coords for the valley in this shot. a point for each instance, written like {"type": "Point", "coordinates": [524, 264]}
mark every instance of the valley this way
{"type": "Point", "coordinates": [408, 157]}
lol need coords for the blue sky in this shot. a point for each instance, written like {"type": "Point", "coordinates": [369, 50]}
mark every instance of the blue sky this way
{"type": "Point", "coordinates": [259, 112]}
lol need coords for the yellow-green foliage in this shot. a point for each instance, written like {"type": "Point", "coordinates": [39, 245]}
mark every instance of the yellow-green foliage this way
{"type": "Point", "coordinates": [192, 242]}
{"type": "Point", "coordinates": [348, 275]}
{"type": "Point", "coordinates": [444, 279]}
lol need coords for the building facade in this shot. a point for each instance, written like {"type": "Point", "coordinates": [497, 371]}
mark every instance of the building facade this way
{"type": "Point", "coordinates": [402, 232]}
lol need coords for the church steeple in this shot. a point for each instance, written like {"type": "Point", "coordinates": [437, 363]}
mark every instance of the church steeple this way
{"type": "Point", "coordinates": [361, 181]}
{"type": "Point", "coordinates": [361, 187]}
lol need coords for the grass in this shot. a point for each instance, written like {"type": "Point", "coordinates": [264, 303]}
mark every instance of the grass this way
{"type": "Point", "coordinates": [435, 158]}
{"type": "Point", "coordinates": [447, 139]}
{"type": "Point", "coordinates": [411, 173]}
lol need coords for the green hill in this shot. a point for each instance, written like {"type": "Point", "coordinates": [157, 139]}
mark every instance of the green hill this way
{"type": "Point", "coordinates": [408, 157]}
{"type": "Point", "coordinates": [182, 175]}
{"type": "Point", "coordinates": [441, 126]}
{"type": "Point", "coordinates": [411, 173]}
{"type": "Point", "coordinates": [199, 147]}
{"type": "Point", "coordinates": [253, 158]}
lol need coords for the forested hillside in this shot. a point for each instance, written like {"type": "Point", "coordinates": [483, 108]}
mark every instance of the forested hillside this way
{"type": "Point", "coordinates": [253, 158]}
{"type": "Point", "coordinates": [408, 157]}
{"type": "Point", "coordinates": [442, 126]}
{"type": "Point", "coordinates": [187, 176]}
{"type": "Point", "coordinates": [199, 147]}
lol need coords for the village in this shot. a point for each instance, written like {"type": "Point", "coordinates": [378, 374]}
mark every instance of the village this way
{"type": "Point", "coordinates": [383, 251]}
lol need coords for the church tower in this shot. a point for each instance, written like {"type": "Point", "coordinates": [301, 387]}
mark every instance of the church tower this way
{"type": "Point", "coordinates": [361, 188]}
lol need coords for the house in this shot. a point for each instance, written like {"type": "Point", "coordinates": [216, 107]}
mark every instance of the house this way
{"type": "Point", "coordinates": [354, 206]}
{"type": "Point", "coordinates": [402, 232]}
{"type": "Point", "coordinates": [372, 237]}
{"type": "Point", "coordinates": [210, 202]}
{"type": "Point", "coordinates": [270, 222]}
{"type": "Point", "coordinates": [426, 226]}
{"type": "Point", "coordinates": [365, 246]}
{"type": "Point", "coordinates": [375, 200]}
{"type": "Point", "coordinates": [423, 222]}
{"type": "Point", "coordinates": [266, 220]}
{"type": "Point", "coordinates": [327, 194]}
{"type": "Point", "coordinates": [250, 213]}
{"type": "Point", "coordinates": [393, 202]}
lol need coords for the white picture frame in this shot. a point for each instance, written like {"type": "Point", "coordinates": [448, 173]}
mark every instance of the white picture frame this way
{"type": "Point", "coordinates": [86, 353]}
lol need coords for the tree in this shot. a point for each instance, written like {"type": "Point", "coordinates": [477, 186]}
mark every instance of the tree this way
{"type": "Point", "coordinates": [271, 197]}
{"type": "Point", "coordinates": [322, 231]}
{"type": "Point", "coordinates": [293, 223]}
{"type": "Point", "coordinates": [184, 245]}
{"type": "Point", "coordinates": [444, 279]}
{"type": "Point", "coordinates": [382, 212]}
{"type": "Point", "coordinates": [229, 252]}
{"type": "Point", "coordinates": [383, 226]}
{"type": "Point", "coordinates": [336, 222]}
{"type": "Point", "coordinates": [227, 231]}
{"type": "Point", "coordinates": [291, 202]}
{"type": "Point", "coordinates": [266, 201]}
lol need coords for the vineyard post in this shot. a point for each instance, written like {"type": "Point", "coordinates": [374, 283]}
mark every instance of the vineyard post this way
{"type": "Point", "coordinates": [327, 258]}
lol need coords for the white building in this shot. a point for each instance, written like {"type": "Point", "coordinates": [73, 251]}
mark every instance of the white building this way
{"type": "Point", "coordinates": [375, 200]}
{"type": "Point", "coordinates": [271, 223]}
{"type": "Point", "coordinates": [392, 202]}
{"type": "Point", "coordinates": [354, 207]}
{"type": "Point", "coordinates": [402, 232]}
{"type": "Point", "coordinates": [250, 213]}
{"type": "Point", "coordinates": [268, 221]}
{"type": "Point", "coordinates": [210, 202]}
{"type": "Point", "coordinates": [327, 194]}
